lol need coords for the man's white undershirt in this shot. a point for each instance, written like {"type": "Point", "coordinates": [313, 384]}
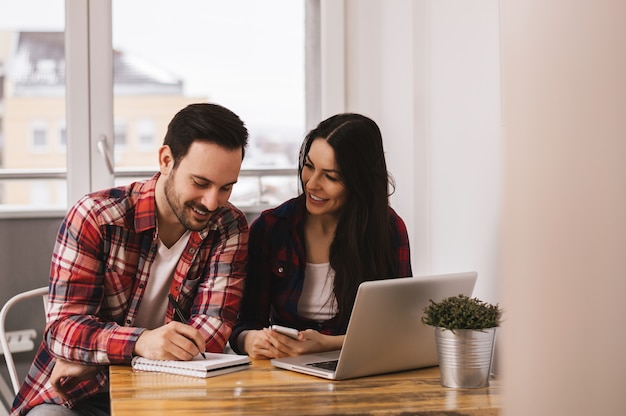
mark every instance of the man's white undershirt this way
{"type": "Point", "coordinates": [151, 313]}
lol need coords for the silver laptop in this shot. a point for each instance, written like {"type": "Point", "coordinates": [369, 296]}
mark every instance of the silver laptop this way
{"type": "Point", "coordinates": [385, 333]}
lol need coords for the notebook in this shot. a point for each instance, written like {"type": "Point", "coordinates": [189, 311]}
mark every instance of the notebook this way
{"type": "Point", "coordinates": [385, 333]}
{"type": "Point", "coordinates": [213, 365]}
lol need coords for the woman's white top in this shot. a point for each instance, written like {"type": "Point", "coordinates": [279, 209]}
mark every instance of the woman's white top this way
{"type": "Point", "coordinates": [317, 301]}
{"type": "Point", "coordinates": [151, 313]}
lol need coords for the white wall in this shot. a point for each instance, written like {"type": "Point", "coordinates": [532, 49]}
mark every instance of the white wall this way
{"type": "Point", "coordinates": [564, 263]}
{"type": "Point", "coordinates": [465, 138]}
{"type": "Point", "coordinates": [428, 72]}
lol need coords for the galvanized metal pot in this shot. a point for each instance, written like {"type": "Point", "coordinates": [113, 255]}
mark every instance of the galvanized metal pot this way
{"type": "Point", "coordinates": [465, 356]}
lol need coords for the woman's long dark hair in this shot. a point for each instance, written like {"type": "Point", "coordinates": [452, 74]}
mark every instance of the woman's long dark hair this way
{"type": "Point", "coordinates": [361, 249]}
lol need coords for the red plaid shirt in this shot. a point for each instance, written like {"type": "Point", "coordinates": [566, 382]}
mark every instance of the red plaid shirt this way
{"type": "Point", "coordinates": [100, 267]}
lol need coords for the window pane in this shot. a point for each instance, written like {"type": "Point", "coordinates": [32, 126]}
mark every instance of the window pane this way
{"type": "Point", "coordinates": [32, 102]}
{"type": "Point", "coordinates": [247, 55]}
{"type": "Point", "coordinates": [38, 134]}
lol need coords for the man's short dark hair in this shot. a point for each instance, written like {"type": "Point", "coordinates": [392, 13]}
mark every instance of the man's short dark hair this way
{"type": "Point", "coordinates": [208, 123]}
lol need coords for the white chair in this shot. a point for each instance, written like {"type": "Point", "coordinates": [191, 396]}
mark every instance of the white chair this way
{"type": "Point", "coordinates": [15, 341]}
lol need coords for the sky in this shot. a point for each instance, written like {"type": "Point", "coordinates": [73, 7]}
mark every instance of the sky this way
{"type": "Point", "coordinates": [245, 54]}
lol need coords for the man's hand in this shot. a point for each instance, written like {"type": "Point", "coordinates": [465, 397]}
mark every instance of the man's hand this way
{"type": "Point", "coordinates": [66, 375]}
{"type": "Point", "coordinates": [174, 341]}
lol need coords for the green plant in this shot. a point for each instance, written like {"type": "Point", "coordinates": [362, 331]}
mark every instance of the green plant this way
{"type": "Point", "coordinates": [462, 312]}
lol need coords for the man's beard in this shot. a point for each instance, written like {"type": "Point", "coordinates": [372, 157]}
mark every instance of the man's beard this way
{"type": "Point", "coordinates": [182, 211]}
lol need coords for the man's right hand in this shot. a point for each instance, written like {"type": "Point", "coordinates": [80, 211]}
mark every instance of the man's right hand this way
{"type": "Point", "coordinates": [174, 341]}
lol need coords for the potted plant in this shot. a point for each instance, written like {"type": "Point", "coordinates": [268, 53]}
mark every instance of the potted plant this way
{"type": "Point", "coordinates": [465, 331]}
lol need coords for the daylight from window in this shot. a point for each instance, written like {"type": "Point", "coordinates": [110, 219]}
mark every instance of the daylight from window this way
{"type": "Point", "coordinates": [244, 54]}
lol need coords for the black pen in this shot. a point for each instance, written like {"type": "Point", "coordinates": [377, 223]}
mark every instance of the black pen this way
{"type": "Point", "coordinates": [179, 313]}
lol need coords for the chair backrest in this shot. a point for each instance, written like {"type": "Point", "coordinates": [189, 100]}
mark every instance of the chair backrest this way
{"type": "Point", "coordinates": [4, 342]}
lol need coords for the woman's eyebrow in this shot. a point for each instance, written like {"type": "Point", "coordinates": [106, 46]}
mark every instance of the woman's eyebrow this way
{"type": "Point", "coordinates": [308, 160]}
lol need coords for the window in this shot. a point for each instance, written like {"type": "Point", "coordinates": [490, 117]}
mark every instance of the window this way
{"type": "Point", "coordinates": [244, 54]}
{"type": "Point", "coordinates": [32, 101]}
{"type": "Point", "coordinates": [38, 136]}
{"type": "Point", "coordinates": [146, 136]}
{"type": "Point", "coordinates": [39, 193]}
{"type": "Point", "coordinates": [120, 134]}
{"type": "Point", "coordinates": [62, 136]}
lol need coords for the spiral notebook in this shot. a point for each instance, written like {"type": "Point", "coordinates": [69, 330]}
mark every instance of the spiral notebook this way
{"type": "Point", "coordinates": [213, 365]}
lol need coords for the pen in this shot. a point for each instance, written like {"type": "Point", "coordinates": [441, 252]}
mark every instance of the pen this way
{"type": "Point", "coordinates": [179, 313]}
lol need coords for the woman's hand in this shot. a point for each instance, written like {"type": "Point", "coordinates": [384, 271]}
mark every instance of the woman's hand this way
{"type": "Point", "coordinates": [309, 341]}
{"type": "Point", "coordinates": [256, 344]}
{"type": "Point", "coordinates": [266, 344]}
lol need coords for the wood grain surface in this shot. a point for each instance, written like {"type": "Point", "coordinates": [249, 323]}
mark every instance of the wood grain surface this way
{"type": "Point", "coordinates": [265, 390]}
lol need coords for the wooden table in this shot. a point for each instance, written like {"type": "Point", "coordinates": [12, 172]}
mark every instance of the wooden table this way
{"type": "Point", "coordinates": [265, 390]}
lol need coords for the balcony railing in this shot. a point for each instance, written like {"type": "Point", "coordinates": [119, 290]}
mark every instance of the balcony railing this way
{"type": "Point", "coordinates": [256, 190]}
{"type": "Point", "coordinates": [8, 174]}
{"type": "Point", "coordinates": [60, 173]}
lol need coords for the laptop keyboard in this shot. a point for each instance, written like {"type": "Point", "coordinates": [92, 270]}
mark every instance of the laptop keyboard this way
{"type": "Point", "coordinates": [326, 365]}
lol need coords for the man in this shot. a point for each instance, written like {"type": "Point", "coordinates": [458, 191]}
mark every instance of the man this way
{"type": "Point", "coordinates": [120, 252]}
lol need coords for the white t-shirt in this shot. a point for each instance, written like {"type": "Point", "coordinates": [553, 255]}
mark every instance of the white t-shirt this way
{"type": "Point", "coordinates": [151, 313]}
{"type": "Point", "coordinates": [317, 301]}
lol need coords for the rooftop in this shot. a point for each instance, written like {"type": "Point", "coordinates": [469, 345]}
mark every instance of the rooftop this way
{"type": "Point", "coordinates": [38, 64]}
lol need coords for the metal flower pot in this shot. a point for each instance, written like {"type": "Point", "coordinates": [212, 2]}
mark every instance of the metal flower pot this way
{"type": "Point", "coordinates": [465, 356]}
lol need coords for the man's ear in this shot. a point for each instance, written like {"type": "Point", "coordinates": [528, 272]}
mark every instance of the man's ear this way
{"type": "Point", "coordinates": [166, 160]}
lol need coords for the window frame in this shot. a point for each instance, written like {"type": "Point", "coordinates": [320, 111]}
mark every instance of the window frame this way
{"type": "Point", "coordinates": [89, 98]}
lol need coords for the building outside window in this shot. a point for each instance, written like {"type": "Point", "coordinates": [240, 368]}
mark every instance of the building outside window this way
{"type": "Point", "coordinates": [38, 134]}
{"type": "Point", "coordinates": [62, 145]}
{"type": "Point", "coordinates": [243, 54]}
{"type": "Point", "coordinates": [146, 135]}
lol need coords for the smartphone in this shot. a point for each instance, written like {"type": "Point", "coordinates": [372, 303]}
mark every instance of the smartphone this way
{"type": "Point", "coordinates": [290, 332]}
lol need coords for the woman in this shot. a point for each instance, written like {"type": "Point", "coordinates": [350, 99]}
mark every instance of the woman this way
{"type": "Point", "coordinates": [307, 257]}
